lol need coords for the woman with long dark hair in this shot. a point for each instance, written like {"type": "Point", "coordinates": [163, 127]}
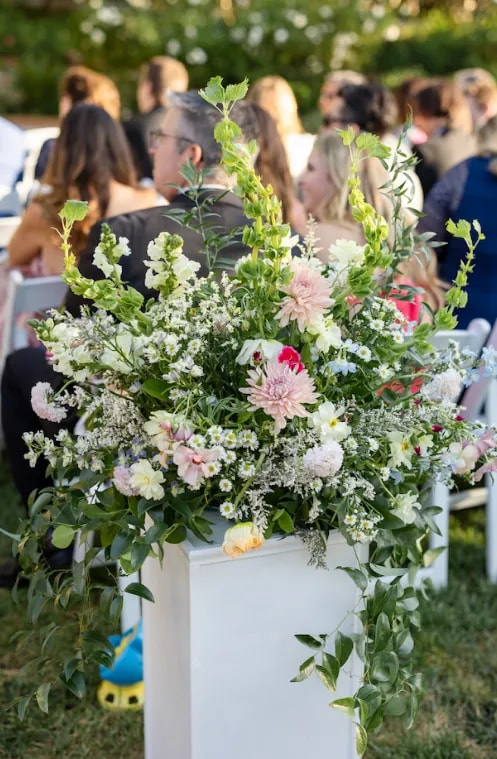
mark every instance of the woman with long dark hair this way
{"type": "Point", "coordinates": [90, 161]}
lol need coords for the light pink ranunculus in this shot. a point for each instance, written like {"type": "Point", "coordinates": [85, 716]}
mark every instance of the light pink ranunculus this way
{"type": "Point", "coordinates": [193, 465]}
{"type": "Point", "coordinates": [308, 297]}
{"type": "Point", "coordinates": [280, 391]}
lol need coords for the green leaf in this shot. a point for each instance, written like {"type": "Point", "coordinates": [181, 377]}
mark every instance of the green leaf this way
{"type": "Point", "coordinates": [359, 577]}
{"type": "Point", "coordinates": [120, 545]}
{"type": "Point", "coordinates": [175, 534]}
{"type": "Point", "coordinates": [361, 740]}
{"type": "Point", "coordinates": [395, 707]}
{"type": "Point", "coordinates": [382, 633]}
{"type": "Point", "coordinates": [74, 210]}
{"type": "Point", "coordinates": [326, 678]}
{"type": "Point", "coordinates": [385, 667]}
{"type": "Point", "coordinates": [214, 92]}
{"type": "Point", "coordinates": [156, 388]}
{"type": "Point", "coordinates": [388, 571]}
{"type": "Point", "coordinates": [63, 535]}
{"type": "Point", "coordinates": [285, 521]}
{"type": "Point", "coordinates": [345, 705]}
{"type": "Point", "coordinates": [309, 641]}
{"type": "Point", "coordinates": [42, 696]}
{"type": "Point", "coordinates": [76, 684]}
{"type": "Point", "coordinates": [22, 706]}
{"type": "Point", "coordinates": [305, 670]}
{"type": "Point", "coordinates": [343, 648]}
{"type": "Point", "coordinates": [137, 589]}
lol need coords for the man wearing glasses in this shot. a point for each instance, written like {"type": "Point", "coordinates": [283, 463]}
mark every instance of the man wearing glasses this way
{"type": "Point", "coordinates": [184, 139]}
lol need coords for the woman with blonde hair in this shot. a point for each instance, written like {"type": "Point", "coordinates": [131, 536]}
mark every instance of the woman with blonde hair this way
{"type": "Point", "coordinates": [275, 95]}
{"type": "Point", "coordinates": [325, 192]}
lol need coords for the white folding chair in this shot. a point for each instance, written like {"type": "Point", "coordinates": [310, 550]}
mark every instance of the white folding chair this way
{"type": "Point", "coordinates": [8, 225]}
{"type": "Point", "coordinates": [27, 295]}
{"type": "Point", "coordinates": [479, 395]}
{"type": "Point", "coordinates": [33, 141]}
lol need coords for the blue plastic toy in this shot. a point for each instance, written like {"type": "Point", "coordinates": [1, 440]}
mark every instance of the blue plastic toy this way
{"type": "Point", "coordinates": [122, 684]}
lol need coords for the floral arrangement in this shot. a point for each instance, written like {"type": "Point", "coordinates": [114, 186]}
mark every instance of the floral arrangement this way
{"type": "Point", "coordinates": [291, 396]}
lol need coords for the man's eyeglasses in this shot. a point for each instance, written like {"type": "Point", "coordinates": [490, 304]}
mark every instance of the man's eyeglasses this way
{"type": "Point", "coordinates": [156, 135]}
{"type": "Point", "coordinates": [329, 121]}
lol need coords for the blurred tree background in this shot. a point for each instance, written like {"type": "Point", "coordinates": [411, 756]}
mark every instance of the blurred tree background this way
{"type": "Point", "coordinates": [387, 39]}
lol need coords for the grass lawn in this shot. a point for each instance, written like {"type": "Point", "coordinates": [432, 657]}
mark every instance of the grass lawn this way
{"type": "Point", "coordinates": [457, 654]}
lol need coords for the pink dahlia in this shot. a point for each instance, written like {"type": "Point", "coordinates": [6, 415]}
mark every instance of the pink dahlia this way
{"type": "Point", "coordinates": [280, 391]}
{"type": "Point", "coordinates": [308, 297]}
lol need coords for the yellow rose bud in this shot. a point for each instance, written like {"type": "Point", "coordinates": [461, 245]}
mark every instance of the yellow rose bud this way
{"type": "Point", "coordinates": [240, 538]}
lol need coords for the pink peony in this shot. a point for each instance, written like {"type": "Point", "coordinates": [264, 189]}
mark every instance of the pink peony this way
{"type": "Point", "coordinates": [308, 296]}
{"type": "Point", "coordinates": [291, 357]}
{"type": "Point", "coordinates": [193, 466]}
{"type": "Point", "coordinates": [280, 391]}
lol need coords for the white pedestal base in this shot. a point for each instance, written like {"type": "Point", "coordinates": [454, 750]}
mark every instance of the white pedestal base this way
{"type": "Point", "coordinates": [219, 652]}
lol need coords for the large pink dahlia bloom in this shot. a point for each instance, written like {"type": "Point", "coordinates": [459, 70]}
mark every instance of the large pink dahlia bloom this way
{"type": "Point", "coordinates": [280, 391]}
{"type": "Point", "coordinates": [308, 297]}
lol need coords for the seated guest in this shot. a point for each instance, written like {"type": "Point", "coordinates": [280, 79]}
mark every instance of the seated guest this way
{"type": "Point", "coordinates": [159, 77]}
{"type": "Point", "coordinates": [186, 135]}
{"type": "Point", "coordinates": [275, 95]}
{"type": "Point", "coordinates": [469, 191]}
{"type": "Point", "coordinates": [272, 166]}
{"type": "Point", "coordinates": [439, 109]}
{"type": "Point", "coordinates": [90, 161]}
{"type": "Point", "coordinates": [81, 85]}
{"type": "Point", "coordinates": [325, 196]}
{"type": "Point", "coordinates": [373, 108]}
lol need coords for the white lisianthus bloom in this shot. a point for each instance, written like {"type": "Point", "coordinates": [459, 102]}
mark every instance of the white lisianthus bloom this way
{"type": "Point", "coordinates": [269, 350]}
{"type": "Point", "coordinates": [444, 388]}
{"type": "Point", "coordinates": [146, 480]}
{"type": "Point", "coordinates": [324, 460]}
{"type": "Point", "coordinates": [347, 254]}
{"type": "Point", "coordinates": [327, 332]}
{"type": "Point", "coordinates": [401, 450]}
{"type": "Point", "coordinates": [240, 538]}
{"type": "Point", "coordinates": [326, 420]}
{"type": "Point", "coordinates": [406, 506]}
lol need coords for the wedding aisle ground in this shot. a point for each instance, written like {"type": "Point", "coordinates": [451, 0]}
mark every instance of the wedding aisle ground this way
{"type": "Point", "coordinates": [457, 653]}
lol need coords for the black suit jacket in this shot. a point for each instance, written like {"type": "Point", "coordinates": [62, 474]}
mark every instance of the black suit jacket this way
{"type": "Point", "coordinates": [140, 227]}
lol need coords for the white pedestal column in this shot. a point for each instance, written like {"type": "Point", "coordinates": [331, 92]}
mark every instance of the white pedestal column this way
{"type": "Point", "coordinates": [219, 653]}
